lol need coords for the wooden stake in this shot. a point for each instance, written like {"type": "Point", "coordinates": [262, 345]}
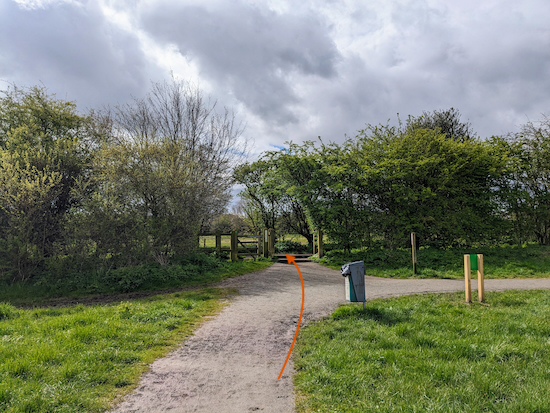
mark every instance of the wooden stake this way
{"type": "Point", "coordinates": [271, 242]}
{"type": "Point", "coordinates": [218, 242]}
{"type": "Point", "coordinates": [413, 244]}
{"type": "Point", "coordinates": [266, 247]}
{"type": "Point", "coordinates": [467, 276]}
{"type": "Point", "coordinates": [234, 246]}
{"type": "Point", "coordinates": [480, 279]}
{"type": "Point", "coordinates": [320, 242]}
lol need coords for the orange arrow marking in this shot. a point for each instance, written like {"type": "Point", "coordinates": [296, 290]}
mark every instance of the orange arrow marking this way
{"type": "Point", "coordinates": [292, 260]}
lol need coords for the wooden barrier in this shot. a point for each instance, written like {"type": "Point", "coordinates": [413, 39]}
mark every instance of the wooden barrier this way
{"type": "Point", "coordinates": [266, 243]}
{"type": "Point", "coordinates": [234, 246]}
{"type": "Point", "coordinates": [474, 262]}
{"type": "Point", "coordinates": [320, 242]}
{"type": "Point", "coordinates": [413, 244]}
{"type": "Point", "coordinates": [254, 248]}
{"type": "Point", "coordinates": [320, 248]}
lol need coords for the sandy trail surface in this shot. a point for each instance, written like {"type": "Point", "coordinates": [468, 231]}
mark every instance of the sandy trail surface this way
{"type": "Point", "coordinates": [232, 362]}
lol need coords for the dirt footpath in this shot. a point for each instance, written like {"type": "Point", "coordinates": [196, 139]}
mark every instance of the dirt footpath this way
{"type": "Point", "coordinates": [232, 362]}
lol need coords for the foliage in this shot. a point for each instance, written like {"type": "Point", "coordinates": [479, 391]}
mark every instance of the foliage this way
{"type": "Point", "coordinates": [122, 187]}
{"type": "Point", "coordinates": [226, 223]}
{"type": "Point", "coordinates": [432, 176]}
{"type": "Point", "coordinates": [163, 171]}
{"type": "Point", "coordinates": [291, 246]}
{"type": "Point", "coordinates": [420, 181]}
{"type": "Point", "coordinates": [526, 192]}
{"type": "Point", "coordinates": [428, 353]}
{"type": "Point", "coordinates": [447, 122]}
{"type": "Point", "coordinates": [321, 180]}
{"type": "Point", "coordinates": [266, 200]}
{"type": "Point", "coordinates": [389, 181]}
{"type": "Point", "coordinates": [78, 359]}
{"type": "Point", "coordinates": [44, 150]}
{"type": "Point", "coordinates": [191, 270]}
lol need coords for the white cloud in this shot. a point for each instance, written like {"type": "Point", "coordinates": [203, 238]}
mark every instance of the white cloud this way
{"type": "Point", "coordinates": [293, 70]}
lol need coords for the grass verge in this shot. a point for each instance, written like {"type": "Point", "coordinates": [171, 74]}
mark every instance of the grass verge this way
{"type": "Point", "coordinates": [80, 358]}
{"type": "Point", "coordinates": [200, 270]}
{"type": "Point", "coordinates": [502, 261]}
{"type": "Point", "coordinates": [428, 353]}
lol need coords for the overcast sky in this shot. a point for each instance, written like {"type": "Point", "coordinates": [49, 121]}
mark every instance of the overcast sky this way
{"type": "Point", "coordinates": [292, 70]}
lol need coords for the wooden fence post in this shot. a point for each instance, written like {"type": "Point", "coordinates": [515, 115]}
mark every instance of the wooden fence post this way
{"type": "Point", "coordinates": [218, 241]}
{"type": "Point", "coordinates": [413, 244]}
{"type": "Point", "coordinates": [467, 276]}
{"type": "Point", "coordinates": [234, 246]}
{"type": "Point", "coordinates": [480, 278]}
{"type": "Point", "coordinates": [266, 243]}
{"type": "Point", "coordinates": [271, 241]}
{"type": "Point", "coordinates": [320, 242]}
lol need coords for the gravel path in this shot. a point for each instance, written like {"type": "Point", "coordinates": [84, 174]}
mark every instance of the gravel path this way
{"type": "Point", "coordinates": [232, 362]}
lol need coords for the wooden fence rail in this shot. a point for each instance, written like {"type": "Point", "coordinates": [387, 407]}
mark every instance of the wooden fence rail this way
{"type": "Point", "coordinates": [264, 244]}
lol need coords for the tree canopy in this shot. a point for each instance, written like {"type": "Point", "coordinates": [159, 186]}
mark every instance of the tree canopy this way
{"type": "Point", "coordinates": [432, 176]}
{"type": "Point", "coordinates": [118, 187]}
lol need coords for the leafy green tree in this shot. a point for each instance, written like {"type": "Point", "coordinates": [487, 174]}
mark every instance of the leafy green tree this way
{"type": "Point", "coordinates": [43, 150]}
{"type": "Point", "coordinates": [261, 190]}
{"type": "Point", "coordinates": [445, 121]}
{"type": "Point", "coordinates": [322, 179]}
{"type": "Point", "coordinates": [163, 172]}
{"type": "Point", "coordinates": [421, 181]}
{"type": "Point", "coordinates": [267, 201]}
{"type": "Point", "coordinates": [226, 223]}
{"type": "Point", "coordinates": [528, 185]}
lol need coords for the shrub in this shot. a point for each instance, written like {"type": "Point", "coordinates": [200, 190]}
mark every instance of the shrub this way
{"type": "Point", "coordinates": [290, 246]}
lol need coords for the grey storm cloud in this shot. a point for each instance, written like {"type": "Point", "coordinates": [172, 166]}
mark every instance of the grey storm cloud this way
{"type": "Point", "coordinates": [296, 70]}
{"type": "Point", "coordinates": [250, 50]}
{"type": "Point", "coordinates": [73, 51]}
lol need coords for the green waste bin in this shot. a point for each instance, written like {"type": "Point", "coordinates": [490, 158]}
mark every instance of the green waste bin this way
{"type": "Point", "coordinates": [354, 272]}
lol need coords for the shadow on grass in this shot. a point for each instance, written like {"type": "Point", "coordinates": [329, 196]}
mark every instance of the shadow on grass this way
{"type": "Point", "coordinates": [386, 316]}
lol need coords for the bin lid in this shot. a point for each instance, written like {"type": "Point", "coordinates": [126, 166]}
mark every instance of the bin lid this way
{"type": "Point", "coordinates": [346, 268]}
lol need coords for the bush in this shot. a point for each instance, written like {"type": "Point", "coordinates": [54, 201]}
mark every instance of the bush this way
{"type": "Point", "coordinates": [291, 246]}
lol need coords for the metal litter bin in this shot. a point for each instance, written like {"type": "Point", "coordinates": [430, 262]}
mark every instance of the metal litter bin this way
{"type": "Point", "coordinates": [354, 272]}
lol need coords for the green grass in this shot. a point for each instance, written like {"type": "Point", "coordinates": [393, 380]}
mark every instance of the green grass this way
{"type": "Point", "coordinates": [503, 261]}
{"type": "Point", "coordinates": [202, 270]}
{"type": "Point", "coordinates": [79, 358]}
{"type": "Point", "coordinates": [428, 353]}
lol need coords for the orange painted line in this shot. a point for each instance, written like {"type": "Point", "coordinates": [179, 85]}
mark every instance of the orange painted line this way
{"type": "Point", "coordinates": [291, 260]}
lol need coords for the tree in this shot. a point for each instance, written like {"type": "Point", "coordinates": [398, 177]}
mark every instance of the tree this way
{"type": "Point", "coordinates": [266, 200]}
{"type": "Point", "coordinates": [322, 179]}
{"type": "Point", "coordinates": [445, 121]}
{"type": "Point", "coordinates": [261, 191]}
{"type": "Point", "coordinates": [43, 151]}
{"type": "Point", "coordinates": [528, 184]}
{"type": "Point", "coordinates": [421, 181]}
{"type": "Point", "coordinates": [164, 171]}
{"type": "Point", "coordinates": [226, 223]}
